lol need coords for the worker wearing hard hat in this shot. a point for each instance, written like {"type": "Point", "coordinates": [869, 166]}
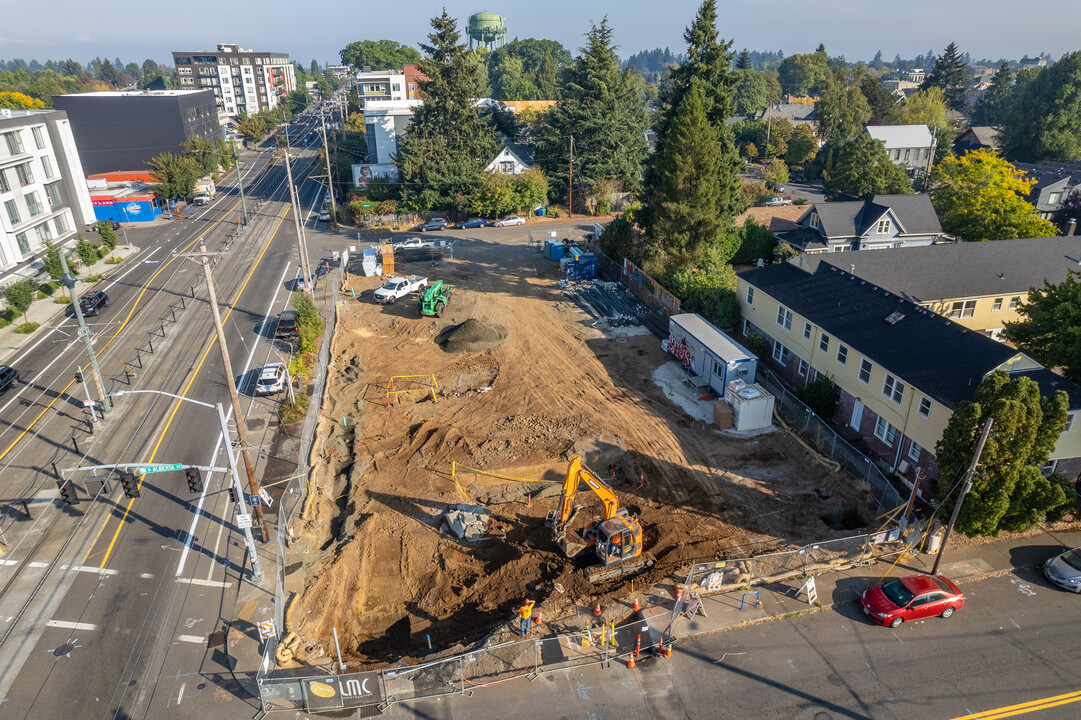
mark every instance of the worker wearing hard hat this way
{"type": "Point", "coordinates": [525, 616]}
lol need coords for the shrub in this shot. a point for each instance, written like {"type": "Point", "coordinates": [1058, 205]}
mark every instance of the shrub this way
{"type": "Point", "coordinates": [290, 412]}
{"type": "Point", "coordinates": [755, 343]}
{"type": "Point", "coordinates": [107, 235]}
{"type": "Point", "coordinates": [47, 289]}
{"type": "Point", "coordinates": [19, 295]}
{"type": "Point", "coordinates": [6, 317]}
{"type": "Point", "coordinates": [86, 251]}
{"type": "Point", "coordinates": [784, 251]}
{"type": "Point", "coordinates": [755, 241]}
{"type": "Point", "coordinates": [309, 324]}
{"type": "Point", "coordinates": [115, 260]}
{"type": "Point", "coordinates": [26, 328]}
{"type": "Point", "coordinates": [821, 395]}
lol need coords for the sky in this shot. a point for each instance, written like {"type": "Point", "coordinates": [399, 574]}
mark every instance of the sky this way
{"type": "Point", "coordinates": [853, 28]}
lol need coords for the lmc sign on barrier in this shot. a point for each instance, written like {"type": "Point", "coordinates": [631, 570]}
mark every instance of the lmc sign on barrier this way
{"type": "Point", "coordinates": [332, 692]}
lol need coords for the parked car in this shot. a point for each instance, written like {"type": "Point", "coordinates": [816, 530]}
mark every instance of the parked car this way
{"type": "Point", "coordinates": [797, 178]}
{"type": "Point", "coordinates": [1065, 570]}
{"type": "Point", "coordinates": [299, 285]}
{"type": "Point", "coordinates": [778, 188]}
{"type": "Point", "coordinates": [287, 325]}
{"type": "Point", "coordinates": [433, 224]}
{"type": "Point", "coordinates": [776, 201]}
{"type": "Point", "coordinates": [324, 216]}
{"type": "Point", "coordinates": [90, 304]}
{"type": "Point", "coordinates": [272, 379]}
{"type": "Point", "coordinates": [399, 287]}
{"type": "Point", "coordinates": [472, 223]}
{"type": "Point", "coordinates": [8, 377]}
{"type": "Point", "coordinates": [912, 598]}
{"type": "Point", "coordinates": [509, 221]}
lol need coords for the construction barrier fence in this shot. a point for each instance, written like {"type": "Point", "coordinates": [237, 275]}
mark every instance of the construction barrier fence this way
{"type": "Point", "coordinates": [411, 385]}
{"type": "Point", "coordinates": [827, 442]}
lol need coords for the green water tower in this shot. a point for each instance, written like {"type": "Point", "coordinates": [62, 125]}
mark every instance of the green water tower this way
{"type": "Point", "coordinates": [487, 29]}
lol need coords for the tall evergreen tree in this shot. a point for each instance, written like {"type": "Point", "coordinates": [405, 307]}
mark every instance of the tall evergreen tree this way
{"type": "Point", "coordinates": [1044, 121]}
{"type": "Point", "coordinates": [546, 78]}
{"type": "Point", "coordinates": [603, 109]}
{"type": "Point", "coordinates": [447, 144]}
{"type": "Point", "coordinates": [709, 61]}
{"type": "Point", "coordinates": [686, 200]}
{"type": "Point", "coordinates": [993, 105]}
{"type": "Point", "coordinates": [949, 74]}
{"type": "Point", "coordinates": [744, 61]}
{"type": "Point", "coordinates": [876, 61]}
{"type": "Point", "coordinates": [880, 99]}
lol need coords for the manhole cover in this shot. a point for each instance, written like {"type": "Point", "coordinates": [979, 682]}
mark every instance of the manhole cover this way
{"type": "Point", "coordinates": [216, 639]}
{"type": "Point", "coordinates": [63, 649]}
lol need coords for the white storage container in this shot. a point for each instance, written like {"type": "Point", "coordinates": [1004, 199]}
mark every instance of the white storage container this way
{"type": "Point", "coordinates": [752, 406]}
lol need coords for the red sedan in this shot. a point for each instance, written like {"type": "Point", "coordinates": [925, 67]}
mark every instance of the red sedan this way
{"type": "Point", "coordinates": [912, 598]}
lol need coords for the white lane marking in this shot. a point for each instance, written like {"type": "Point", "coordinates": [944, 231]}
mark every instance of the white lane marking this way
{"type": "Point", "coordinates": [89, 569]}
{"type": "Point", "coordinates": [146, 576]}
{"type": "Point", "coordinates": [9, 562]}
{"type": "Point", "coordinates": [180, 695]}
{"type": "Point", "coordinates": [191, 638]}
{"type": "Point", "coordinates": [38, 564]}
{"type": "Point", "coordinates": [207, 583]}
{"type": "Point", "coordinates": [217, 446]}
{"type": "Point", "coordinates": [71, 625]}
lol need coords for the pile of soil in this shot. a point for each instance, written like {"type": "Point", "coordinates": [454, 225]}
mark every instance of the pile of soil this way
{"type": "Point", "coordinates": [471, 336]}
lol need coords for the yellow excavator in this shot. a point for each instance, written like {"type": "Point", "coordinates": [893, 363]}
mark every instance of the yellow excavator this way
{"type": "Point", "coordinates": [616, 538]}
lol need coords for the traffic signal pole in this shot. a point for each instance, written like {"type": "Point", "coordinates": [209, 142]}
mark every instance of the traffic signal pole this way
{"type": "Point", "coordinates": [69, 281]}
{"type": "Point", "coordinates": [238, 414]}
{"type": "Point", "coordinates": [256, 570]}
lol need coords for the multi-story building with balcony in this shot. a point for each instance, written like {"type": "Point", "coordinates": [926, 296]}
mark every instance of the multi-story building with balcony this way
{"type": "Point", "coordinates": [42, 186]}
{"type": "Point", "coordinates": [387, 85]}
{"type": "Point", "coordinates": [242, 80]}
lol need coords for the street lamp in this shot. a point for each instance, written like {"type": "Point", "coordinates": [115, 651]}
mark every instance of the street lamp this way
{"type": "Point", "coordinates": [256, 570]}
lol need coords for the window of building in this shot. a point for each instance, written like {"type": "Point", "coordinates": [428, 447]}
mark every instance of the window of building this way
{"type": "Point", "coordinates": [44, 232]}
{"type": "Point", "coordinates": [780, 353]}
{"type": "Point", "coordinates": [506, 166]}
{"type": "Point", "coordinates": [897, 154]}
{"type": "Point", "coordinates": [963, 309]}
{"type": "Point", "coordinates": [893, 388]}
{"type": "Point", "coordinates": [23, 173]}
{"type": "Point", "coordinates": [907, 154]}
{"type": "Point", "coordinates": [997, 304]}
{"type": "Point", "coordinates": [824, 342]}
{"type": "Point", "coordinates": [1069, 421]}
{"type": "Point", "coordinates": [1053, 198]}
{"type": "Point", "coordinates": [842, 354]}
{"type": "Point", "coordinates": [925, 407]}
{"type": "Point", "coordinates": [884, 431]}
{"type": "Point", "coordinates": [14, 142]}
{"type": "Point", "coordinates": [13, 212]}
{"type": "Point", "coordinates": [814, 220]}
{"type": "Point", "coordinates": [396, 87]}
{"type": "Point", "coordinates": [1048, 467]}
{"type": "Point", "coordinates": [784, 317]}
{"type": "Point", "coordinates": [1014, 302]}
{"type": "Point", "coordinates": [865, 371]}
{"type": "Point", "coordinates": [47, 163]}
{"type": "Point", "coordinates": [39, 139]}
{"type": "Point", "coordinates": [914, 451]}
{"type": "Point", "coordinates": [802, 367]}
{"type": "Point", "coordinates": [23, 243]}
{"type": "Point", "coordinates": [4, 187]}
{"type": "Point", "coordinates": [884, 226]}
{"type": "Point", "coordinates": [61, 223]}
{"type": "Point", "coordinates": [806, 331]}
{"type": "Point", "coordinates": [33, 205]}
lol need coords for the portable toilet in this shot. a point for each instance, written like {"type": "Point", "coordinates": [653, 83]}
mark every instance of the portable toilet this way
{"type": "Point", "coordinates": [713, 357]}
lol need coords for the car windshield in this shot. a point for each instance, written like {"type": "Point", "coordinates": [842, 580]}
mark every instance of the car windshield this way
{"type": "Point", "coordinates": [1072, 558]}
{"type": "Point", "coordinates": [897, 593]}
{"type": "Point", "coordinates": [392, 285]}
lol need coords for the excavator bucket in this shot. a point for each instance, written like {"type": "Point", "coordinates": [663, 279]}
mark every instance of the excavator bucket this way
{"type": "Point", "coordinates": [570, 546]}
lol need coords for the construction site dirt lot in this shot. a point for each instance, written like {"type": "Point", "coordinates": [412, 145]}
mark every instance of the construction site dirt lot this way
{"type": "Point", "coordinates": [384, 572]}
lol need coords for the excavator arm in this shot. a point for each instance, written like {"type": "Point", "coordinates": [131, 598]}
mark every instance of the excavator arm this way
{"type": "Point", "coordinates": [576, 472]}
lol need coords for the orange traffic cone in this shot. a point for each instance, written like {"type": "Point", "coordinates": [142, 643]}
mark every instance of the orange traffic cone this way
{"type": "Point", "coordinates": [667, 650]}
{"type": "Point", "coordinates": [537, 618]}
{"type": "Point", "coordinates": [679, 593]}
{"type": "Point", "coordinates": [636, 607]}
{"type": "Point", "coordinates": [630, 661]}
{"type": "Point", "coordinates": [597, 610]}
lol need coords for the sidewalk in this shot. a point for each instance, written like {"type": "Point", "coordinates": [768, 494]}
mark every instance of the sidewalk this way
{"type": "Point", "coordinates": [43, 311]}
{"type": "Point", "coordinates": [719, 612]}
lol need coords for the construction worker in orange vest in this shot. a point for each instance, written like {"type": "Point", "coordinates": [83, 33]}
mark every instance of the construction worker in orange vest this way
{"type": "Point", "coordinates": [525, 614]}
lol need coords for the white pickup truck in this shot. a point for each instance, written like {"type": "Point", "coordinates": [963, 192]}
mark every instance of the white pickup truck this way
{"type": "Point", "coordinates": [414, 242]}
{"type": "Point", "coordinates": [396, 287]}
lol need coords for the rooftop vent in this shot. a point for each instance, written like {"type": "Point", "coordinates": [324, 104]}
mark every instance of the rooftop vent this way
{"type": "Point", "coordinates": [895, 317]}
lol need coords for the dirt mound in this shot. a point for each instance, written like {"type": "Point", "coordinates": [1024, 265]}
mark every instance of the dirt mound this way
{"type": "Point", "coordinates": [471, 336]}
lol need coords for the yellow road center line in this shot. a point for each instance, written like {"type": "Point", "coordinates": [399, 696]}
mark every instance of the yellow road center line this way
{"type": "Point", "coordinates": [1022, 708]}
{"type": "Point", "coordinates": [176, 403]}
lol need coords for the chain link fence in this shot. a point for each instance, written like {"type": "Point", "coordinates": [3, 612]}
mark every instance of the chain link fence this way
{"type": "Point", "coordinates": [828, 443]}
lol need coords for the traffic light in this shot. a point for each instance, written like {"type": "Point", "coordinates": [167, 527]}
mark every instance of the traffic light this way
{"type": "Point", "coordinates": [195, 480]}
{"type": "Point", "coordinates": [130, 484]}
{"type": "Point", "coordinates": [79, 376]}
{"type": "Point", "coordinates": [232, 495]}
{"type": "Point", "coordinates": [67, 492]}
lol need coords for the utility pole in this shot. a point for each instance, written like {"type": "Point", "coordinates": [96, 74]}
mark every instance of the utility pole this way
{"type": "Point", "coordinates": [570, 183]}
{"type": "Point", "coordinates": [69, 280]}
{"type": "Point", "coordinates": [330, 178]}
{"type": "Point", "coordinates": [238, 415]}
{"type": "Point", "coordinates": [930, 158]}
{"type": "Point", "coordinates": [769, 126]}
{"type": "Point", "coordinates": [296, 221]}
{"type": "Point", "coordinates": [964, 491]}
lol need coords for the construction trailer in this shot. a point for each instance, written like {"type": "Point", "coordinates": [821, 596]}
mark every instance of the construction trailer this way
{"type": "Point", "coordinates": [713, 358]}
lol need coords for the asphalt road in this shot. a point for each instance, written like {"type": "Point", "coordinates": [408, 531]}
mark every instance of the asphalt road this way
{"type": "Point", "coordinates": [1015, 642]}
{"type": "Point", "coordinates": [100, 603]}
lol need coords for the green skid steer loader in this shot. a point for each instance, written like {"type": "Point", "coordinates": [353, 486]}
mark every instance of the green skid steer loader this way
{"type": "Point", "coordinates": [434, 300]}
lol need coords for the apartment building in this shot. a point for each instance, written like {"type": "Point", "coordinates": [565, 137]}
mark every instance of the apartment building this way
{"type": "Point", "coordinates": [241, 80]}
{"type": "Point", "coordinates": [978, 285]}
{"type": "Point", "coordinates": [901, 369]}
{"type": "Point", "coordinates": [42, 185]}
{"type": "Point", "coordinates": [389, 85]}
